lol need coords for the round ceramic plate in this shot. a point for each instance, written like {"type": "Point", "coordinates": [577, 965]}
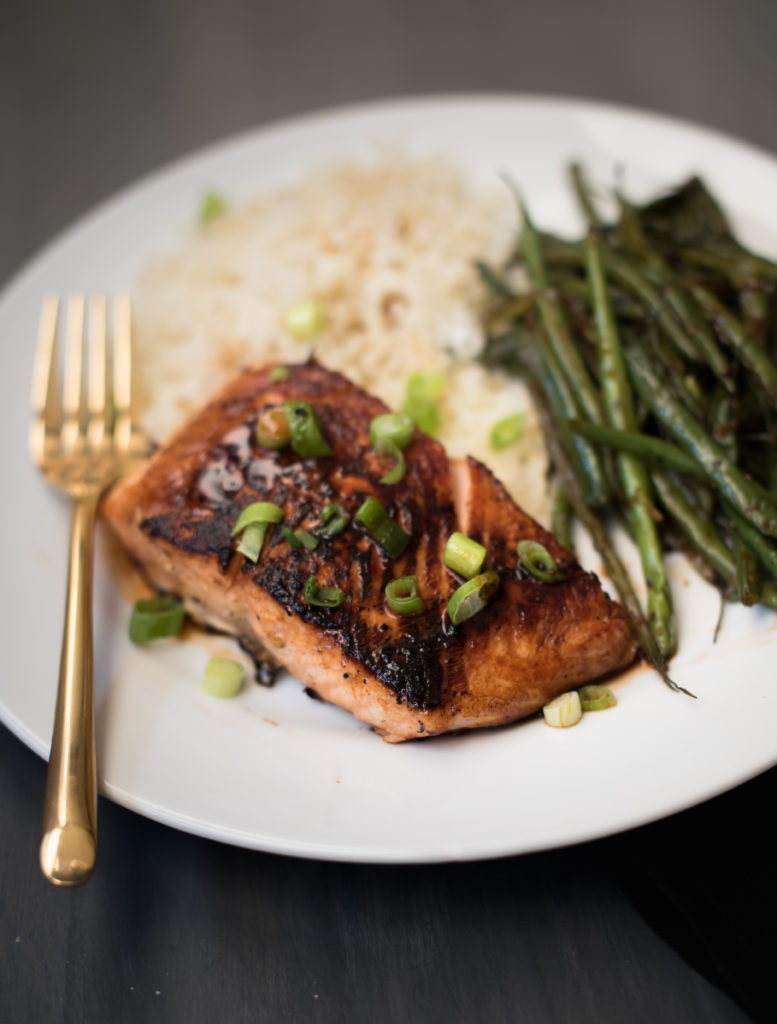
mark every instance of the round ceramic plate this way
{"type": "Point", "coordinates": [273, 769]}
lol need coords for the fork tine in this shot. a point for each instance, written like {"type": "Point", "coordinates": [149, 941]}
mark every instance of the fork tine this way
{"type": "Point", "coordinates": [72, 390]}
{"type": "Point", "coordinates": [122, 373]}
{"type": "Point", "coordinates": [95, 400]}
{"type": "Point", "coordinates": [44, 396]}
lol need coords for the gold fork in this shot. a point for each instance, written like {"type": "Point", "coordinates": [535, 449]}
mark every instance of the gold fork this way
{"type": "Point", "coordinates": [81, 440]}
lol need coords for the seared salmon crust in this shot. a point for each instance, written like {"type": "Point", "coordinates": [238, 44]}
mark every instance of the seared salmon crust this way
{"type": "Point", "coordinates": [407, 677]}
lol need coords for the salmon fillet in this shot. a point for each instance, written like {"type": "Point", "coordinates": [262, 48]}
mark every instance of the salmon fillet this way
{"type": "Point", "coordinates": [409, 677]}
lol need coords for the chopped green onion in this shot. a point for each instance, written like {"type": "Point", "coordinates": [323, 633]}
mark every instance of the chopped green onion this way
{"type": "Point", "coordinates": [306, 437]}
{"type": "Point", "coordinates": [305, 320]}
{"type": "Point", "coordinates": [306, 539]}
{"type": "Point", "coordinates": [381, 527]}
{"type": "Point", "coordinates": [323, 597]}
{"type": "Point", "coordinates": [272, 428]}
{"type": "Point", "coordinates": [370, 514]}
{"type": "Point", "coordinates": [390, 433]}
{"type": "Point", "coordinates": [258, 512]}
{"type": "Point", "coordinates": [507, 431]}
{"type": "Point", "coordinates": [596, 698]}
{"type": "Point", "coordinates": [279, 373]}
{"type": "Point", "coordinates": [423, 391]}
{"type": "Point", "coordinates": [563, 711]}
{"type": "Point", "coordinates": [539, 562]}
{"type": "Point", "coordinates": [397, 471]}
{"type": "Point", "coordinates": [252, 524]}
{"type": "Point", "coordinates": [252, 540]}
{"type": "Point", "coordinates": [156, 617]}
{"type": "Point", "coordinates": [402, 596]}
{"type": "Point", "coordinates": [472, 597]}
{"type": "Point", "coordinates": [287, 533]}
{"type": "Point", "coordinates": [212, 206]}
{"type": "Point", "coordinates": [222, 677]}
{"type": "Point", "coordinates": [392, 426]}
{"type": "Point", "coordinates": [334, 519]}
{"type": "Point", "coordinates": [464, 555]}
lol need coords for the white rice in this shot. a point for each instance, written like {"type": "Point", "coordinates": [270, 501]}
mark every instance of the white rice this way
{"type": "Point", "coordinates": [388, 249]}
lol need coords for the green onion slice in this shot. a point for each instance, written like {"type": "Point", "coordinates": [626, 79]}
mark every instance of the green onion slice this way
{"type": "Point", "coordinates": [252, 540]}
{"type": "Point", "coordinates": [156, 617]}
{"type": "Point", "coordinates": [424, 389]}
{"type": "Point", "coordinates": [563, 711]}
{"type": "Point", "coordinates": [464, 555]}
{"type": "Point", "coordinates": [391, 426]}
{"type": "Point", "coordinates": [222, 677]}
{"type": "Point", "coordinates": [381, 527]}
{"type": "Point", "coordinates": [538, 562]}
{"type": "Point", "coordinates": [397, 471]}
{"type": "Point", "coordinates": [289, 535]}
{"type": "Point", "coordinates": [272, 428]}
{"type": "Point", "coordinates": [402, 596]}
{"type": "Point", "coordinates": [306, 538]}
{"type": "Point", "coordinates": [306, 437]}
{"type": "Point", "coordinates": [212, 206]}
{"type": "Point", "coordinates": [258, 512]}
{"type": "Point", "coordinates": [252, 524]}
{"type": "Point", "coordinates": [305, 320]}
{"type": "Point", "coordinates": [390, 433]}
{"type": "Point", "coordinates": [472, 597]}
{"type": "Point", "coordinates": [322, 597]}
{"type": "Point", "coordinates": [334, 519]}
{"type": "Point", "coordinates": [507, 431]}
{"type": "Point", "coordinates": [596, 698]}
{"type": "Point", "coordinates": [279, 373]}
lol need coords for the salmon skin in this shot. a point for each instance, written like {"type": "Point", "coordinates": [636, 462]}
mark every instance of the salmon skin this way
{"type": "Point", "coordinates": [408, 677]}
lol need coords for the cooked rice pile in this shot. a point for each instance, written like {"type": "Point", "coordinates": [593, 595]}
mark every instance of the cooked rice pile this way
{"type": "Point", "coordinates": [387, 248]}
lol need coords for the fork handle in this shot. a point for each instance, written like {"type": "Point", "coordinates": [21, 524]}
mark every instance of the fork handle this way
{"type": "Point", "coordinates": [68, 848]}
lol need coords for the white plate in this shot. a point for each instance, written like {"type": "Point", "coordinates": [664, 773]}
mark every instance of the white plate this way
{"type": "Point", "coordinates": [273, 769]}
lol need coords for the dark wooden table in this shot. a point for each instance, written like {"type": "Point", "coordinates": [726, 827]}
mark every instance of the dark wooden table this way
{"type": "Point", "coordinates": [671, 922]}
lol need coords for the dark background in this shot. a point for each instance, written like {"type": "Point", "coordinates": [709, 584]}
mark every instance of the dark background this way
{"type": "Point", "coordinates": [671, 922]}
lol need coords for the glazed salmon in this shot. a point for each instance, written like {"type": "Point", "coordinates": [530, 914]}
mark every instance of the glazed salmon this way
{"type": "Point", "coordinates": [408, 677]}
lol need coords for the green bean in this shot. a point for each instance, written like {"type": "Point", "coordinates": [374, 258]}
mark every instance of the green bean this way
{"type": "Point", "coordinates": [644, 446]}
{"type": "Point", "coordinates": [656, 303]}
{"type": "Point", "coordinates": [699, 530]}
{"type": "Point", "coordinates": [561, 520]}
{"type": "Point", "coordinates": [696, 328]}
{"type": "Point", "coordinates": [569, 286]}
{"type": "Point", "coordinates": [771, 473]}
{"type": "Point", "coordinates": [683, 383]}
{"type": "Point", "coordinates": [616, 392]}
{"type": "Point", "coordinates": [583, 194]}
{"type": "Point", "coordinates": [685, 336]}
{"type": "Point", "coordinates": [552, 316]}
{"type": "Point", "coordinates": [764, 551]}
{"type": "Point", "coordinates": [494, 281]}
{"type": "Point", "coordinates": [723, 422]}
{"type": "Point", "coordinates": [737, 264]}
{"type": "Point", "coordinates": [596, 528]}
{"type": "Point", "coordinates": [563, 405]}
{"type": "Point", "coordinates": [746, 495]}
{"type": "Point", "coordinates": [751, 354]}
{"type": "Point", "coordinates": [747, 582]}
{"type": "Point", "coordinates": [701, 534]}
{"type": "Point", "coordinates": [754, 311]}
{"type": "Point", "coordinates": [676, 296]}
{"type": "Point", "coordinates": [512, 309]}
{"type": "Point", "coordinates": [632, 234]}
